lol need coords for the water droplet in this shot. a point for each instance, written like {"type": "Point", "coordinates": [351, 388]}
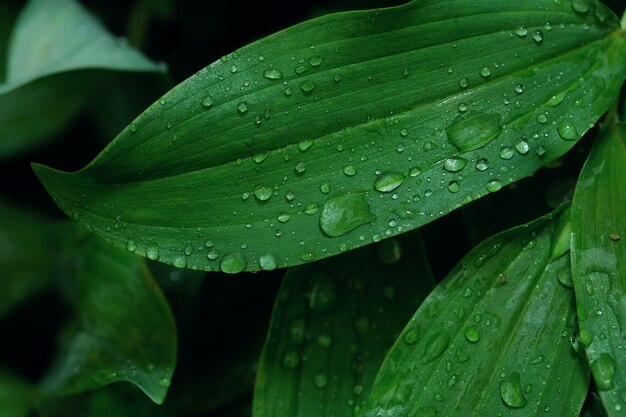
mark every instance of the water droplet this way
{"type": "Point", "coordinates": [586, 337]}
{"type": "Point", "coordinates": [340, 215]}
{"type": "Point", "coordinates": [311, 209]}
{"type": "Point", "coordinates": [263, 193]}
{"type": "Point", "coordinates": [258, 158]}
{"type": "Point", "coordinates": [179, 262]}
{"type": "Point", "coordinates": [556, 100]}
{"type": "Point", "coordinates": [506, 152]}
{"type": "Point", "coordinates": [567, 130]}
{"type": "Point", "coordinates": [454, 164]}
{"type": "Point", "coordinates": [307, 87]}
{"type": "Point", "coordinates": [273, 74]}
{"type": "Point", "coordinates": [538, 36]}
{"type": "Point", "coordinates": [482, 164]}
{"type": "Point", "coordinates": [522, 147]}
{"type": "Point", "coordinates": [267, 262]}
{"type": "Point", "coordinates": [316, 61]}
{"type": "Point", "coordinates": [152, 252]}
{"type": "Point", "coordinates": [242, 108]}
{"type": "Point", "coordinates": [291, 359]}
{"type": "Point", "coordinates": [542, 118]}
{"type": "Point", "coordinates": [537, 360]}
{"type": "Point", "coordinates": [324, 341]}
{"type": "Point", "coordinates": [454, 187]}
{"type": "Point", "coordinates": [321, 380]}
{"type": "Point", "coordinates": [463, 83]}
{"type": "Point", "coordinates": [305, 145]}
{"type": "Point", "coordinates": [581, 6]}
{"type": "Point", "coordinates": [519, 88]}
{"type": "Point", "coordinates": [207, 102]}
{"type": "Point", "coordinates": [212, 254]}
{"type": "Point", "coordinates": [462, 107]}
{"type": "Point", "coordinates": [283, 218]}
{"type": "Point", "coordinates": [321, 295]}
{"type": "Point", "coordinates": [472, 334]}
{"type": "Point", "coordinates": [411, 335]}
{"type": "Point", "coordinates": [300, 69]}
{"type": "Point", "coordinates": [511, 391]}
{"type": "Point", "coordinates": [603, 370]}
{"type": "Point", "coordinates": [521, 31]}
{"type": "Point", "coordinates": [188, 250]}
{"type": "Point", "coordinates": [388, 181]}
{"type": "Point", "coordinates": [297, 331]}
{"type": "Point", "coordinates": [485, 72]}
{"type": "Point", "coordinates": [471, 133]}
{"type": "Point", "coordinates": [131, 246]}
{"type": "Point", "coordinates": [414, 172]}
{"type": "Point", "coordinates": [437, 344]}
{"type": "Point", "coordinates": [494, 185]}
{"type": "Point", "coordinates": [564, 275]}
{"type": "Point", "coordinates": [300, 167]}
{"type": "Point", "coordinates": [164, 382]}
{"type": "Point", "coordinates": [232, 263]}
{"type": "Point", "coordinates": [349, 170]}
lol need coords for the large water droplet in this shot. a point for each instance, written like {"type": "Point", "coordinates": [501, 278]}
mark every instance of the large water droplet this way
{"type": "Point", "coordinates": [180, 262]}
{"type": "Point", "coordinates": [472, 334]}
{"type": "Point", "coordinates": [388, 181]}
{"type": "Point", "coordinates": [263, 193]}
{"type": "Point", "coordinates": [345, 213]}
{"type": "Point", "coordinates": [242, 108]}
{"type": "Point", "coordinates": [603, 370]}
{"type": "Point", "coordinates": [267, 262]}
{"type": "Point", "coordinates": [581, 6]}
{"type": "Point", "coordinates": [232, 263]}
{"type": "Point", "coordinates": [471, 133]}
{"type": "Point", "coordinates": [494, 185]}
{"type": "Point", "coordinates": [511, 391]}
{"type": "Point", "coordinates": [207, 102]}
{"type": "Point", "coordinates": [307, 87]}
{"type": "Point", "coordinates": [152, 252]}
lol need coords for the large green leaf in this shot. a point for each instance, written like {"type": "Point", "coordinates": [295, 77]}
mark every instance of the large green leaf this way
{"type": "Point", "coordinates": [124, 330]}
{"type": "Point", "coordinates": [51, 40]}
{"type": "Point", "coordinates": [599, 263]}
{"type": "Point", "coordinates": [17, 397]}
{"type": "Point", "coordinates": [348, 129]}
{"type": "Point", "coordinates": [332, 326]}
{"type": "Point", "coordinates": [493, 339]}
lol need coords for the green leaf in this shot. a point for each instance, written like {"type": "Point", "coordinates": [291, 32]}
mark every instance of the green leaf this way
{"type": "Point", "coordinates": [28, 254]}
{"type": "Point", "coordinates": [16, 396]}
{"type": "Point", "coordinates": [349, 128]}
{"type": "Point", "coordinates": [50, 42]}
{"type": "Point", "coordinates": [599, 263]}
{"type": "Point", "coordinates": [124, 330]}
{"type": "Point", "coordinates": [332, 325]}
{"type": "Point", "coordinates": [492, 339]}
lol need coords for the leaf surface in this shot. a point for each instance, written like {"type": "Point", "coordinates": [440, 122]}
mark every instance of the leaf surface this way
{"type": "Point", "coordinates": [51, 45]}
{"type": "Point", "coordinates": [124, 331]}
{"type": "Point", "coordinates": [348, 129]}
{"type": "Point", "coordinates": [599, 263]}
{"type": "Point", "coordinates": [493, 338]}
{"type": "Point", "coordinates": [332, 325]}
{"type": "Point", "coordinates": [17, 397]}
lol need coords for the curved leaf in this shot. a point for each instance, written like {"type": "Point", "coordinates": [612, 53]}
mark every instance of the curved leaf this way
{"type": "Point", "coordinates": [125, 330]}
{"type": "Point", "coordinates": [50, 41]}
{"type": "Point", "coordinates": [599, 263]}
{"type": "Point", "coordinates": [332, 325]}
{"type": "Point", "coordinates": [493, 338]}
{"type": "Point", "coordinates": [349, 128]}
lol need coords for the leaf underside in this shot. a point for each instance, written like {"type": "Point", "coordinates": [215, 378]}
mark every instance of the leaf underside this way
{"type": "Point", "coordinates": [332, 326]}
{"type": "Point", "coordinates": [599, 263]}
{"type": "Point", "coordinates": [493, 338]}
{"type": "Point", "coordinates": [348, 129]}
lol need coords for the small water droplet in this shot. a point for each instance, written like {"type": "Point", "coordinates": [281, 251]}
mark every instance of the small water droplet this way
{"type": "Point", "coordinates": [267, 262]}
{"type": "Point", "coordinates": [472, 334]}
{"type": "Point", "coordinates": [242, 108]}
{"type": "Point", "coordinates": [311, 209]}
{"type": "Point", "coordinates": [581, 6]}
{"type": "Point", "coordinates": [454, 164]}
{"type": "Point", "coordinates": [454, 187]}
{"type": "Point", "coordinates": [300, 167]}
{"type": "Point", "coordinates": [273, 74]}
{"type": "Point", "coordinates": [232, 263]}
{"type": "Point", "coordinates": [522, 147]}
{"type": "Point", "coordinates": [511, 391]}
{"type": "Point", "coordinates": [494, 185]}
{"type": "Point", "coordinates": [307, 87]}
{"type": "Point", "coordinates": [316, 61]}
{"type": "Point", "coordinates": [131, 245]}
{"type": "Point", "coordinates": [349, 170]}
{"type": "Point", "coordinates": [179, 262]}
{"type": "Point", "coordinates": [291, 359]}
{"type": "Point", "coordinates": [521, 31]}
{"type": "Point", "coordinates": [463, 83]}
{"type": "Point", "coordinates": [519, 88]}
{"type": "Point", "coordinates": [538, 36]}
{"type": "Point", "coordinates": [340, 215]}
{"type": "Point", "coordinates": [305, 145]}
{"type": "Point", "coordinates": [321, 380]}
{"type": "Point", "coordinates": [567, 130]}
{"type": "Point", "coordinates": [152, 252]}
{"type": "Point", "coordinates": [388, 181]}
{"type": "Point", "coordinates": [325, 188]}
{"type": "Point", "coordinates": [263, 193]}
{"type": "Point", "coordinates": [506, 152]}
{"type": "Point", "coordinates": [207, 102]}
{"type": "Point", "coordinates": [164, 382]}
{"type": "Point", "coordinates": [485, 72]}
{"type": "Point", "coordinates": [482, 164]}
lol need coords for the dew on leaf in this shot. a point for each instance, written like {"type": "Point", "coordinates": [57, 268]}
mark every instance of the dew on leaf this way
{"type": "Point", "coordinates": [454, 164]}
{"type": "Point", "coordinates": [273, 74]}
{"type": "Point", "coordinates": [511, 391]}
{"type": "Point", "coordinates": [340, 215]}
{"type": "Point", "coordinates": [471, 133]}
{"type": "Point", "coordinates": [232, 263]}
{"type": "Point", "coordinates": [388, 181]}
